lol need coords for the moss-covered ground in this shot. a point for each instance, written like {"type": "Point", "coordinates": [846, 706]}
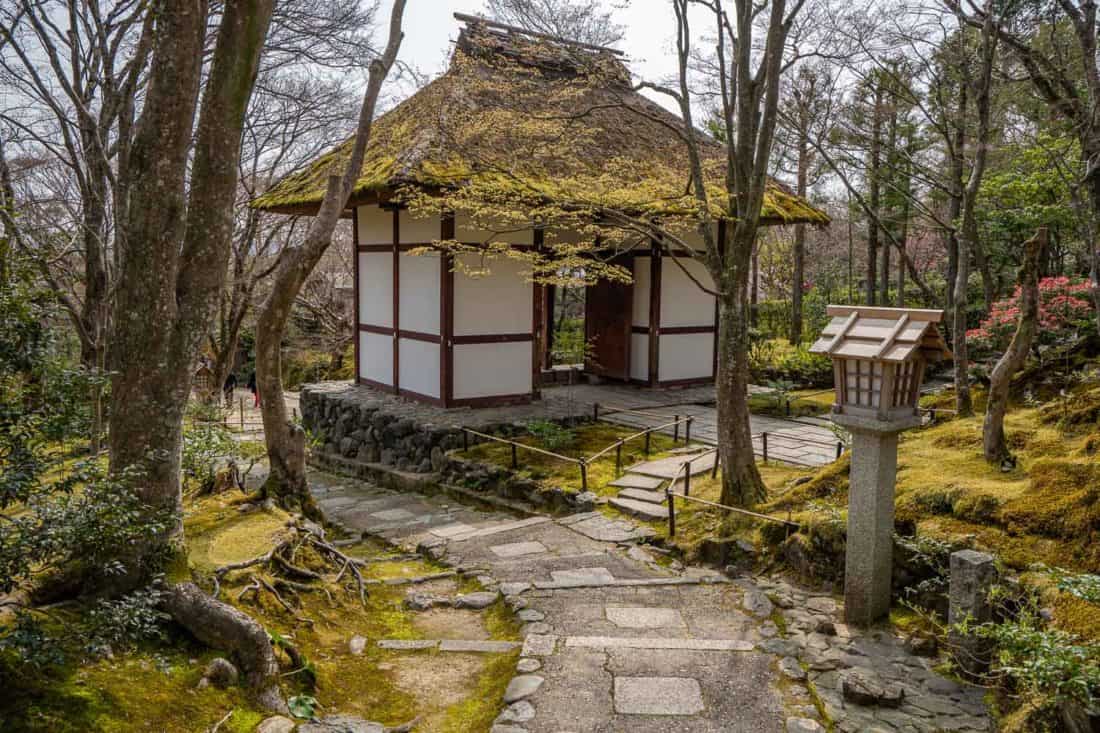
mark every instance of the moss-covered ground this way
{"type": "Point", "coordinates": [153, 687]}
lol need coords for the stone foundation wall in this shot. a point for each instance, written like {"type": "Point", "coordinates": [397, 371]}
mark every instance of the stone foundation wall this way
{"type": "Point", "coordinates": [376, 437]}
{"type": "Point", "coordinates": [352, 424]}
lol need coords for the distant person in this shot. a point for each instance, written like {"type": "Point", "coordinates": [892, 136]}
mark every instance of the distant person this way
{"type": "Point", "coordinates": [228, 388]}
{"type": "Point", "coordinates": [254, 390]}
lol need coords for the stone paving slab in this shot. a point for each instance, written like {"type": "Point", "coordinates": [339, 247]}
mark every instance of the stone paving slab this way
{"type": "Point", "coordinates": [658, 696]}
{"type": "Point", "coordinates": [518, 549]}
{"type": "Point", "coordinates": [696, 645]}
{"type": "Point", "coordinates": [644, 618]}
{"type": "Point", "coordinates": [637, 481]}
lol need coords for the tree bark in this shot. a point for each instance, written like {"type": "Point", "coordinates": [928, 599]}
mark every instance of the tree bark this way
{"type": "Point", "coordinates": [873, 195]}
{"type": "Point", "coordinates": [741, 481]}
{"type": "Point", "coordinates": [993, 432]}
{"type": "Point", "coordinates": [287, 480]}
{"type": "Point", "coordinates": [799, 246]}
{"type": "Point", "coordinates": [176, 245]}
{"type": "Point", "coordinates": [221, 626]}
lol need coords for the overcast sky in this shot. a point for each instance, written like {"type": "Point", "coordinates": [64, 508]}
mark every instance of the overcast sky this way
{"type": "Point", "coordinates": [649, 43]}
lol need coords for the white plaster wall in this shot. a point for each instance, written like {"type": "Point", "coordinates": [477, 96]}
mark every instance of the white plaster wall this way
{"type": "Point", "coordinates": [500, 302]}
{"type": "Point", "coordinates": [376, 357]}
{"type": "Point", "coordinates": [412, 230]}
{"type": "Point", "coordinates": [641, 293]}
{"type": "Point", "coordinates": [376, 288]}
{"type": "Point", "coordinates": [683, 303]}
{"type": "Point", "coordinates": [466, 231]}
{"type": "Point", "coordinates": [639, 356]}
{"type": "Point", "coordinates": [419, 293]}
{"type": "Point", "coordinates": [375, 225]}
{"type": "Point", "coordinates": [486, 370]}
{"type": "Point", "coordinates": [418, 366]}
{"type": "Point", "coordinates": [686, 356]}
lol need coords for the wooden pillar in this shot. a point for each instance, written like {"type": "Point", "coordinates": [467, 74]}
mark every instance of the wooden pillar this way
{"type": "Point", "coordinates": [396, 297]}
{"type": "Point", "coordinates": [654, 313]}
{"type": "Point", "coordinates": [538, 322]}
{"type": "Point", "coordinates": [446, 312]}
{"type": "Point", "coordinates": [357, 316]}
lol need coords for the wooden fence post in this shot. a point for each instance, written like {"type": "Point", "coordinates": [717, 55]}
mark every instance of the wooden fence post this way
{"type": "Point", "coordinates": [618, 459]}
{"type": "Point", "coordinates": [675, 429]}
{"type": "Point", "coordinates": [671, 514]}
{"type": "Point", "coordinates": [515, 458]}
{"type": "Point", "coordinates": [242, 414]}
{"type": "Point", "coordinates": [595, 412]}
{"type": "Point", "coordinates": [764, 436]}
{"type": "Point", "coordinates": [584, 475]}
{"type": "Point", "coordinates": [687, 479]}
{"type": "Point", "coordinates": [647, 434]}
{"type": "Point", "coordinates": [465, 441]}
{"type": "Point", "coordinates": [687, 429]}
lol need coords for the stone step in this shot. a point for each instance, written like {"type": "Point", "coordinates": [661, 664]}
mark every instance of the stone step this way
{"type": "Point", "coordinates": [642, 509]}
{"type": "Point", "coordinates": [653, 497]}
{"type": "Point", "coordinates": [666, 468]}
{"type": "Point", "coordinates": [636, 481]}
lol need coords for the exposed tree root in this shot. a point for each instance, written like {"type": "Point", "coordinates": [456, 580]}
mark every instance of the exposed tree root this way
{"type": "Point", "coordinates": [222, 626]}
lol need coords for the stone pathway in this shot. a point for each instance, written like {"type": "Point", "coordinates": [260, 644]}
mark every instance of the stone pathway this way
{"type": "Point", "coordinates": [617, 638]}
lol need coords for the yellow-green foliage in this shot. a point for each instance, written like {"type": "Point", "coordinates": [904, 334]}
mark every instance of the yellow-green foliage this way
{"type": "Point", "coordinates": [589, 439]}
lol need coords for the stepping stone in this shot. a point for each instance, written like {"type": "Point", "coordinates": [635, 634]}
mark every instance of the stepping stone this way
{"type": "Point", "coordinates": [602, 529]}
{"type": "Point", "coordinates": [658, 696]}
{"type": "Point", "coordinates": [451, 530]}
{"type": "Point", "coordinates": [667, 468]}
{"type": "Point", "coordinates": [691, 645]}
{"type": "Point", "coordinates": [642, 509]}
{"type": "Point", "coordinates": [583, 575]}
{"type": "Point", "coordinates": [636, 481]}
{"type": "Point", "coordinates": [393, 515]}
{"type": "Point", "coordinates": [482, 647]}
{"type": "Point", "coordinates": [644, 618]}
{"type": "Point", "coordinates": [407, 644]}
{"type": "Point", "coordinates": [518, 549]}
{"type": "Point", "coordinates": [522, 686]}
{"type": "Point", "coordinates": [653, 497]}
{"type": "Point", "coordinates": [539, 645]}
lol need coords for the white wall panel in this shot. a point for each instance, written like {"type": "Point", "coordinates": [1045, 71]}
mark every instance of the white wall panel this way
{"type": "Point", "coordinates": [641, 292]}
{"type": "Point", "coordinates": [500, 302]}
{"type": "Point", "coordinates": [375, 225]}
{"type": "Point", "coordinates": [639, 356]}
{"type": "Point", "coordinates": [466, 231]}
{"type": "Point", "coordinates": [686, 356]}
{"type": "Point", "coordinates": [418, 366]}
{"type": "Point", "coordinates": [376, 357]}
{"type": "Point", "coordinates": [683, 303]}
{"type": "Point", "coordinates": [424, 230]}
{"type": "Point", "coordinates": [418, 293]}
{"type": "Point", "coordinates": [376, 288]}
{"type": "Point", "coordinates": [486, 370]}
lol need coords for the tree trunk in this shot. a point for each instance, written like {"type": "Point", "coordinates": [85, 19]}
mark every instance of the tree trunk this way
{"type": "Point", "coordinates": [993, 432]}
{"type": "Point", "coordinates": [741, 482]}
{"type": "Point", "coordinates": [799, 254]}
{"type": "Point", "coordinates": [175, 245]}
{"type": "Point", "coordinates": [873, 195]}
{"type": "Point", "coordinates": [287, 480]}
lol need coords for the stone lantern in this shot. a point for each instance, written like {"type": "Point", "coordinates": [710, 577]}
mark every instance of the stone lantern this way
{"type": "Point", "coordinates": [879, 357]}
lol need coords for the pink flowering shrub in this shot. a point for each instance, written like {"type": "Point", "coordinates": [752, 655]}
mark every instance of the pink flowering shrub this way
{"type": "Point", "coordinates": [1064, 306]}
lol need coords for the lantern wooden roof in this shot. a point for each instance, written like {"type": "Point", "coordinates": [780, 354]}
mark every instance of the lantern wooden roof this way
{"type": "Point", "coordinates": [882, 334]}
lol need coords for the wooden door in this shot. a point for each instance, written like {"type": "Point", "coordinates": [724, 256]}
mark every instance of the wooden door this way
{"type": "Point", "coordinates": [607, 317]}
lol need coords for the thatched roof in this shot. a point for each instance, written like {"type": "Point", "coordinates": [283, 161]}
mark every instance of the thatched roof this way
{"type": "Point", "coordinates": [534, 118]}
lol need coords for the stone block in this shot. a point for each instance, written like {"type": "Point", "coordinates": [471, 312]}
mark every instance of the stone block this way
{"type": "Point", "coordinates": [972, 577]}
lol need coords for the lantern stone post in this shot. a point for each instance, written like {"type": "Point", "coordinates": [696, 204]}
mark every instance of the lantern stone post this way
{"type": "Point", "coordinates": [879, 356]}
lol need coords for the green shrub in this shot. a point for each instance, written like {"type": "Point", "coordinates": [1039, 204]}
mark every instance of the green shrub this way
{"type": "Point", "coordinates": [550, 434]}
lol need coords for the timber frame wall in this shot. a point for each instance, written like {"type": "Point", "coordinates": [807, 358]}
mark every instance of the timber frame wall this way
{"type": "Point", "coordinates": [445, 340]}
{"type": "Point", "coordinates": [645, 368]}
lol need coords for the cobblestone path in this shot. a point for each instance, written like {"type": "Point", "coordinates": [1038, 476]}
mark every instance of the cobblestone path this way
{"type": "Point", "coordinates": [619, 638]}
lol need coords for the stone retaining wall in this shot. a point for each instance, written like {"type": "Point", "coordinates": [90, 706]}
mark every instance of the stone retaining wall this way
{"type": "Point", "coordinates": [363, 433]}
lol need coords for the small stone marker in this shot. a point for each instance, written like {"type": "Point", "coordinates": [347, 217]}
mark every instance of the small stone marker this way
{"type": "Point", "coordinates": [972, 576]}
{"type": "Point", "coordinates": [644, 618]}
{"type": "Point", "coordinates": [518, 549]}
{"type": "Point", "coordinates": [658, 696]}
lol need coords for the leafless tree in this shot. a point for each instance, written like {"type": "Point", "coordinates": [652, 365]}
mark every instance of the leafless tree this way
{"type": "Point", "coordinates": [586, 21]}
{"type": "Point", "coordinates": [285, 441]}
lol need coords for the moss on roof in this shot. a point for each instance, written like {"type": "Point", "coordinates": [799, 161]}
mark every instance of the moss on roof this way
{"type": "Point", "coordinates": [515, 116]}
